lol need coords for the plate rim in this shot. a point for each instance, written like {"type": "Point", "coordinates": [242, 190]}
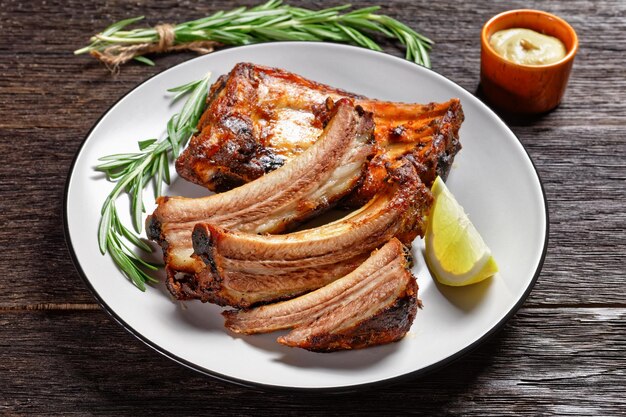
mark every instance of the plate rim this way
{"type": "Point", "coordinates": [252, 384]}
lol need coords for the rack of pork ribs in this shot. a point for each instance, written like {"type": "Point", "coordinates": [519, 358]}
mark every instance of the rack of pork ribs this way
{"type": "Point", "coordinates": [280, 150]}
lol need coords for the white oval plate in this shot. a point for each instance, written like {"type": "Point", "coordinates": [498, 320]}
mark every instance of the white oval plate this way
{"type": "Point", "coordinates": [492, 177]}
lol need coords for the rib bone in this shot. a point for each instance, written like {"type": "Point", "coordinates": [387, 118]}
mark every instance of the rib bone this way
{"type": "Point", "coordinates": [246, 269]}
{"type": "Point", "coordinates": [374, 304]}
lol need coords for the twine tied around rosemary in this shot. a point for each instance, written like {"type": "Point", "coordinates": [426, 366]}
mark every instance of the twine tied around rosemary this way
{"type": "Point", "coordinates": [270, 21]}
{"type": "Point", "coordinates": [115, 55]}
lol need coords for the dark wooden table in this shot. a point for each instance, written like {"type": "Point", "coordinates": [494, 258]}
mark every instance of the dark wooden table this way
{"type": "Point", "coordinates": [60, 353]}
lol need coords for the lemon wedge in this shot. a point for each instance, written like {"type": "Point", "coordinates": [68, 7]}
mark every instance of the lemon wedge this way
{"type": "Point", "coordinates": [455, 252]}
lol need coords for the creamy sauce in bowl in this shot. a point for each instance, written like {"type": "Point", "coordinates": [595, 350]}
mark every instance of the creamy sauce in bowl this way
{"type": "Point", "coordinates": [527, 47]}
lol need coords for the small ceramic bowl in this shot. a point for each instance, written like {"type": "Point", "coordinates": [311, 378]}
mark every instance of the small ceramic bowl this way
{"type": "Point", "coordinates": [526, 88]}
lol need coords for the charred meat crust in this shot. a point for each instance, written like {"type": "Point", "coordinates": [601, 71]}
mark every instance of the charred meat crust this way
{"type": "Point", "coordinates": [388, 325]}
{"type": "Point", "coordinates": [257, 118]}
{"type": "Point", "coordinates": [204, 246]}
{"type": "Point", "coordinates": [438, 159]}
{"type": "Point", "coordinates": [153, 229]}
{"type": "Point", "coordinates": [230, 138]}
{"type": "Point", "coordinates": [202, 286]}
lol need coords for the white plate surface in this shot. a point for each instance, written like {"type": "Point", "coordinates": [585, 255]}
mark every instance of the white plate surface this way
{"type": "Point", "coordinates": [492, 177]}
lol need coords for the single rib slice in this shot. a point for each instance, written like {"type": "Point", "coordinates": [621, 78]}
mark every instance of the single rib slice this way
{"type": "Point", "coordinates": [374, 304]}
{"type": "Point", "coordinates": [310, 183]}
{"type": "Point", "coordinates": [245, 269]}
{"type": "Point", "coordinates": [258, 118]}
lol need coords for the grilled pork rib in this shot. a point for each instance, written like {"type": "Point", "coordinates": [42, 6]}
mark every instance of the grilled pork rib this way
{"type": "Point", "coordinates": [246, 269]}
{"type": "Point", "coordinates": [258, 118]}
{"type": "Point", "coordinates": [374, 304]}
{"type": "Point", "coordinates": [310, 183]}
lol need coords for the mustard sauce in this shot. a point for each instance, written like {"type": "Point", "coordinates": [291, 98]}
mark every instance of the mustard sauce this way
{"type": "Point", "coordinates": [527, 47]}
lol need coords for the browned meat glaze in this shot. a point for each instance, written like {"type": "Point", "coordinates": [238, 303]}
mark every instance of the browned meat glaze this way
{"type": "Point", "coordinates": [309, 184]}
{"type": "Point", "coordinates": [246, 269]}
{"type": "Point", "coordinates": [258, 118]}
{"type": "Point", "coordinates": [374, 304]}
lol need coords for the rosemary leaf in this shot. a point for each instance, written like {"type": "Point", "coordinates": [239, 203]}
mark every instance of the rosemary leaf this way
{"type": "Point", "coordinates": [359, 38]}
{"type": "Point", "coordinates": [119, 156]}
{"type": "Point", "coordinates": [172, 134]}
{"type": "Point", "coordinates": [185, 88]}
{"type": "Point", "coordinates": [105, 225]}
{"type": "Point", "coordinates": [144, 60]}
{"type": "Point", "coordinates": [137, 205]}
{"type": "Point", "coordinates": [159, 179]}
{"type": "Point", "coordinates": [323, 32]}
{"type": "Point", "coordinates": [116, 27]}
{"type": "Point", "coordinates": [166, 169]}
{"type": "Point", "coordinates": [143, 144]}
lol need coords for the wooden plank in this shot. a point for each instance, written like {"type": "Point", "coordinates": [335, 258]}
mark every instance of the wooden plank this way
{"type": "Point", "coordinates": [540, 363]}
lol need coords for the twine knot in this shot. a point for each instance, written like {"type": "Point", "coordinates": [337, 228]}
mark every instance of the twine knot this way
{"type": "Point", "coordinates": [166, 36]}
{"type": "Point", "coordinates": [116, 55]}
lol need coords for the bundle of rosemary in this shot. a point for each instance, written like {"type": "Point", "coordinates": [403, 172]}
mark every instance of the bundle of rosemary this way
{"type": "Point", "coordinates": [132, 172]}
{"type": "Point", "coordinates": [272, 21]}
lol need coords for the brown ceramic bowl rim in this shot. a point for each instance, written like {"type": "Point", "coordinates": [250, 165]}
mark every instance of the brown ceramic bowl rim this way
{"type": "Point", "coordinates": [568, 57]}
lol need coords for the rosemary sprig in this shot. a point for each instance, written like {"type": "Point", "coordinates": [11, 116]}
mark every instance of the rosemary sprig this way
{"type": "Point", "coordinates": [271, 21]}
{"type": "Point", "coordinates": [132, 172]}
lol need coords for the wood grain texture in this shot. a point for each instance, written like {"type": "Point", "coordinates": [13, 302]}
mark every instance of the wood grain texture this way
{"type": "Point", "coordinates": [537, 363]}
{"type": "Point", "coordinates": [562, 354]}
